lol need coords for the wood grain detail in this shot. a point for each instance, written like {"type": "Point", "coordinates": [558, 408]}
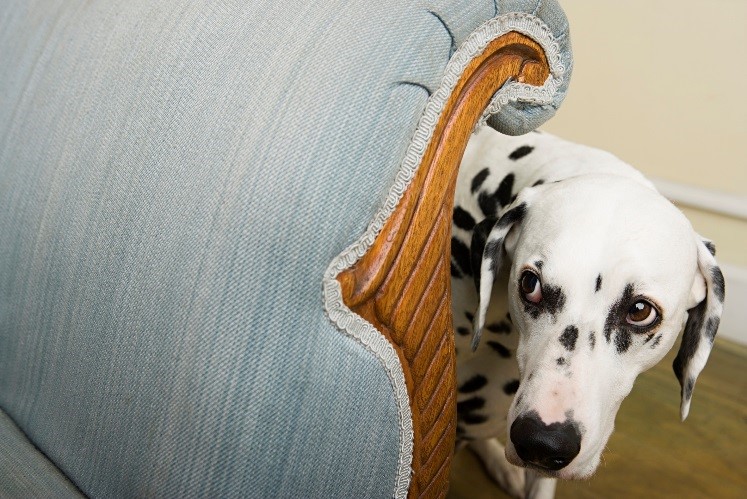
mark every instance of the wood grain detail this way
{"type": "Point", "coordinates": [402, 284]}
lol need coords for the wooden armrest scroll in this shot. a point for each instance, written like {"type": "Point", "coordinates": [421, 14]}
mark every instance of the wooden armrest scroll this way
{"type": "Point", "coordinates": [402, 284]}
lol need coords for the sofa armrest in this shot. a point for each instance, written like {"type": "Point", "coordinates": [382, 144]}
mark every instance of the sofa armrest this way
{"type": "Point", "coordinates": [402, 284]}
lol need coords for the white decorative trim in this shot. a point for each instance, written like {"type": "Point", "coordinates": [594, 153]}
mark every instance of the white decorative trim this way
{"type": "Point", "coordinates": [354, 325]}
{"type": "Point", "coordinates": [514, 91]}
{"type": "Point", "coordinates": [731, 205]}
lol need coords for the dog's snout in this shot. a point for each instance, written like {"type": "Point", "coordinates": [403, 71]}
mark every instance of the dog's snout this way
{"type": "Point", "coordinates": [551, 447]}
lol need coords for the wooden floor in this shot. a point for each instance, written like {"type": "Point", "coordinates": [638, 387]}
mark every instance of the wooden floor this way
{"type": "Point", "coordinates": [651, 454]}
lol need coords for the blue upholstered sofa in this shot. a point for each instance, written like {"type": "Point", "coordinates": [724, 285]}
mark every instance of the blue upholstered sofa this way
{"type": "Point", "coordinates": [184, 186]}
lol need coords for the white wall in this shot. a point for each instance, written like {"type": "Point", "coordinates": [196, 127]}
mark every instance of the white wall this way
{"type": "Point", "coordinates": [662, 84]}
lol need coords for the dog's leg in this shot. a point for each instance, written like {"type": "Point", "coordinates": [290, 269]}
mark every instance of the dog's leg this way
{"type": "Point", "coordinates": [539, 487]}
{"type": "Point", "coordinates": [509, 477]}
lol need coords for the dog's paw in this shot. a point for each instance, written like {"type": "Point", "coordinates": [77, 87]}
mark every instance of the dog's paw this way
{"type": "Point", "coordinates": [510, 478]}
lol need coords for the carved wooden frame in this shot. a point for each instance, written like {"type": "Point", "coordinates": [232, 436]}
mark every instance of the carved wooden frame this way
{"type": "Point", "coordinates": [402, 284]}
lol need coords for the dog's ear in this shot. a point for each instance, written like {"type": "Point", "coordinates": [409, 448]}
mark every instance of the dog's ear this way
{"type": "Point", "coordinates": [702, 323]}
{"type": "Point", "coordinates": [486, 255]}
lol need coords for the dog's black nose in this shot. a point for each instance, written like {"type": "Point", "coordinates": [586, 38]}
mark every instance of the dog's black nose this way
{"type": "Point", "coordinates": [550, 447]}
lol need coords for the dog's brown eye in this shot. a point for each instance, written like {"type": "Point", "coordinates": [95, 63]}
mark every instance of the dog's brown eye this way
{"type": "Point", "coordinates": [641, 314]}
{"type": "Point", "coordinates": [531, 287]}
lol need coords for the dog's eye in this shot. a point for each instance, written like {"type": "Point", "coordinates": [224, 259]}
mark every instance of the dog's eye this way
{"type": "Point", "coordinates": [531, 287]}
{"type": "Point", "coordinates": [641, 314]}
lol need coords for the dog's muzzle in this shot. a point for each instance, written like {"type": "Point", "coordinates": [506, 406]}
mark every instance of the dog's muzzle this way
{"type": "Point", "coordinates": [549, 447]}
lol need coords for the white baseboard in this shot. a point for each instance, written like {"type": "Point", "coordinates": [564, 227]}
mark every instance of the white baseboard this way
{"type": "Point", "coordinates": [731, 205]}
{"type": "Point", "coordinates": [734, 318]}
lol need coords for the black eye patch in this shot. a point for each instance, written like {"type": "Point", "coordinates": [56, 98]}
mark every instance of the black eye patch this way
{"type": "Point", "coordinates": [623, 337]}
{"type": "Point", "coordinates": [553, 301]}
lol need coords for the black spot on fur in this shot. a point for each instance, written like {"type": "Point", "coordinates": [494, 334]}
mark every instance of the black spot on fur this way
{"type": "Point", "coordinates": [473, 384]}
{"type": "Point", "coordinates": [718, 283]}
{"type": "Point", "coordinates": [502, 327]}
{"type": "Point", "coordinates": [500, 349]}
{"type": "Point", "coordinates": [460, 254]}
{"type": "Point", "coordinates": [613, 322]}
{"type": "Point", "coordinates": [491, 203]}
{"type": "Point", "coordinates": [478, 179]}
{"type": "Point", "coordinates": [560, 361]}
{"type": "Point", "coordinates": [592, 340]}
{"type": "Point", "coordinates": [648, 338]}
{"type": "Point", "coordinates": [599, 283]}
{"type": "Point", "coordinates": [539, 264]}
{"type": "Point", "coordinates": [511, 387]}
{"type": "Point", "coordinates": [656, 341]}
{"type": "Point", "coordinates": [520, 152]}
{"type": "Point", "coordinates": [711, 247]}
{"type": "Point", "coordinates": [505, 188]}
{"type": "Point", "coordinates": [471, 404]}
{"type": "Point", "coordinates": [471, 418]}
{"type": "Point", "coordinates": [508, 318]}
{"type": "Point", "coordinates": [463, 219]}
{"type": "Point", "coordinates": [469, 316]}
{"type": "Point", "coordinates": [488, 204]}
{"type": "Point", "coordinates": [539, 182]}
{"type": "Point", "coordinates": [569, 337]}
{"type": "Point", "coordinates": [463, 331]}
{"type": "Point", "coordinates": [466, 410]}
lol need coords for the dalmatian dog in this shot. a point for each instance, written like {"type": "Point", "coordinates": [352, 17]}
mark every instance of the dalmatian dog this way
{"type": "Point", "coordinates": [570, 276]}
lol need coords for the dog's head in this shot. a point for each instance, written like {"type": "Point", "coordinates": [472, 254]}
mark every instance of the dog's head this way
{"type": "Point", "coordinates": [604, 275]}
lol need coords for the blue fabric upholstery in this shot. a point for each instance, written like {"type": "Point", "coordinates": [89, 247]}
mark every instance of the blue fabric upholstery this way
{"type": "Point", "coordinates": [24, 471]}
{"type": "Point", "coordinates": [174, 179]}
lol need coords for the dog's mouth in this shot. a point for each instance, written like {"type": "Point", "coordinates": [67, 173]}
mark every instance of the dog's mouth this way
{"type": "Point", "coordinates": [578, 469]}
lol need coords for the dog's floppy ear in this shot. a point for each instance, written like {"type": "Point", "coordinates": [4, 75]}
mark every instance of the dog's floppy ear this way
{"type": "Point", "coordinates": [702, 322]}
{"type": "Point", "coordinates": [486, 254]}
